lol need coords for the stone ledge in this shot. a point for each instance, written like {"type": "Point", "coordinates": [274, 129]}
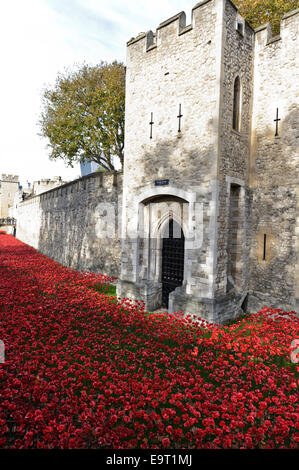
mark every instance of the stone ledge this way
{"type": "Point", "coordinates": [178, 16]}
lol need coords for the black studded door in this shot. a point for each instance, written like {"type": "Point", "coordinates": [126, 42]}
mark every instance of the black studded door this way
{"type": "Point", "coordinates": [172, 260]}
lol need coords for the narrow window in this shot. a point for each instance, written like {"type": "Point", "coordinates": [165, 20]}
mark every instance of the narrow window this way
{"type": "Point", "coordinates": [180, 117]}
{"type": "Point", "coordinates": [151, 124]}
{"type": "Point", "coordinates": [265, 247]}
{"type": "Point", "coordinates": [236, 105]}
{"type": "Point", "coordinates": [240, 27]}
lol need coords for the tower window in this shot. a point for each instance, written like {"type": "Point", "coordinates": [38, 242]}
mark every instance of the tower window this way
{"type": "Point", "coordinates": [240, 27]}
{"type": "Point", "coordinates": [237, 104]}
{"type": "Point", "coordinates": [265, 247]}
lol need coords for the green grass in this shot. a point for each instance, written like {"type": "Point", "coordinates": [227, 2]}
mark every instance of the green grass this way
{"type": "Point", "coordinates": [237, 319]}
{"type": "Point", "coordinates": [106, 289]}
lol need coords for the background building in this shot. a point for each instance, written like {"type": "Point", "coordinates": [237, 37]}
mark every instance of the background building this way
{"type": "Point", "coordinates": [9, 186]}
{"type": "Point", "coordinates": [88, 167]}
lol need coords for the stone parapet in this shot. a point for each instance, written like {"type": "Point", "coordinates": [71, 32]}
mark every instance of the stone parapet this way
{"type": "Point", "coordinates": [8, 178]}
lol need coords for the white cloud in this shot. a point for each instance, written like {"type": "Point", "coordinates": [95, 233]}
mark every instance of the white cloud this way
{"type": "Point", "coordinates": [39, 38]}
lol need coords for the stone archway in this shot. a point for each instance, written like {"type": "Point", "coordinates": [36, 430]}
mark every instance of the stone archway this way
{"type": "Point", "coordinates": [158, 213]}
{"type": "Point", "coordinates": [143, 228]}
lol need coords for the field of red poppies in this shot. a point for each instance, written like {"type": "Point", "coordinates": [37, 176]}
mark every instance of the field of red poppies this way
{"type": "Point", "coordinates": [83, 370]}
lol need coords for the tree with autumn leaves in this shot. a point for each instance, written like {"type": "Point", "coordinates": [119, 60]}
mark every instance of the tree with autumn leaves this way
{"type": "Point", "coordinates": [83, 115]}
{"type": "Point", "coordinates": [258, 12]}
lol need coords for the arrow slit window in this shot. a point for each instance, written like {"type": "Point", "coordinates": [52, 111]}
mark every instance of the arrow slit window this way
{"type": "Point", "coordinates": [237, 104]}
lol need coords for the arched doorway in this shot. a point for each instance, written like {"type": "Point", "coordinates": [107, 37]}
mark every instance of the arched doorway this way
{"type": "Point", "coordinates": [173, 250]}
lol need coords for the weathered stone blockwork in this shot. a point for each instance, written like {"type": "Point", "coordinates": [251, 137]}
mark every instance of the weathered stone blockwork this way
{"type": "Point", "coordinates": [77, 224]}
{"type": "Point", "coordinates": [189, 72]}
{"type": "Point", "coordinates": [274, 167]}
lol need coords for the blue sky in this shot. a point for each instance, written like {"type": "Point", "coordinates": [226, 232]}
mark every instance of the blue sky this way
{"type": "Point", "coordinates": [40, 38]}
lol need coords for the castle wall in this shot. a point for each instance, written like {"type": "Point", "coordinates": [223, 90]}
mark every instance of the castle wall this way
{"type": "Point", "coordinates": [29, 217]}
{"type": "Point", "coordinates": [274, 167]}
{"type": "Point", "coordinates": [76, 224]}
{"type": "Point", "coordinates": [9, 229]}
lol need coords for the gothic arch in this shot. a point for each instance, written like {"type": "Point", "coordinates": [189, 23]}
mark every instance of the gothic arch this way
{"type": "Point", "coordinates": [157, 240]}
{"type": "Point", "coordinates": [161, 224]}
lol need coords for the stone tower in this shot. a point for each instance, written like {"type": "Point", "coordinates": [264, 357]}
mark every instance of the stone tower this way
{"type": "Point", "coordinates": [195, 141]}
{"type": "Point", "coordinates": [9, 187]}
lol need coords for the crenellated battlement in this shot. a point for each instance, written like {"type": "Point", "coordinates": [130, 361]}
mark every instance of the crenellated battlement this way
{"type": "Point", "coordinates": [7, 178]}
{"type": "Point", "coordinates": [96, 179]}
{"type": "Point", "coordinates": [176, 26]}
{"type": "Point", "coordinates": [264, 35]}
{"type": "Point", "coordinates": [177, 23]}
